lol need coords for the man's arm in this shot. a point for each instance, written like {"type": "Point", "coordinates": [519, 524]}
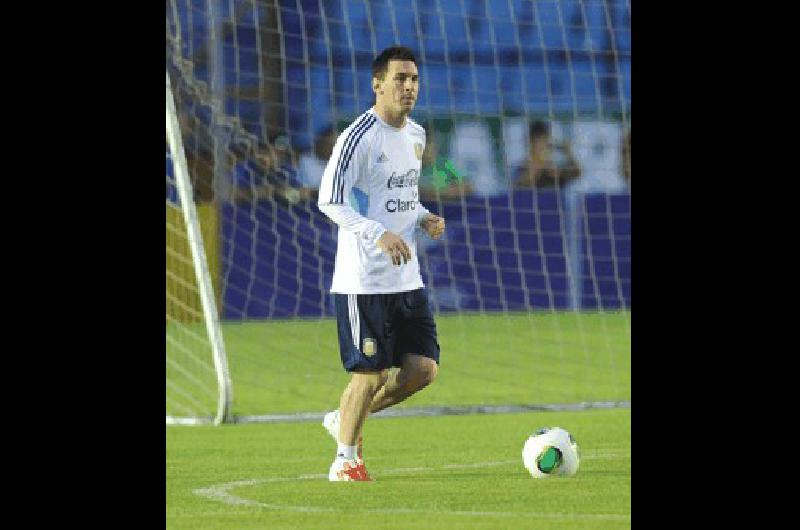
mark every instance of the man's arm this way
{"type": "Point", "coordinates": [430, 222]}
{"type": "Point", "coordinates": [350, 220]}
{"type": "Point", "coordinates": [337, 182]}
{"type": "Point", "coordinates": [373, 231]}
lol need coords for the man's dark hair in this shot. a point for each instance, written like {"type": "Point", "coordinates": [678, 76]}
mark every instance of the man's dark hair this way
{"type": "Point", "coordinates": [538, 129]}
{"type": "Point", "coordinates": [398, 53]}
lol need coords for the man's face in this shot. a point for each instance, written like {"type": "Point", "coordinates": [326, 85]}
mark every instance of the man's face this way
{"type": "Point", "coordinates": [264, 156]}
{"type": "Point", "coordinates": [399, 88]}
{"type": "Point", "coordinates": [541, 145]}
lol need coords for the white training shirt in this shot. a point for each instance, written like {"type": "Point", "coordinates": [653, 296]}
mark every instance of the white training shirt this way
{"type": "Point", "coordinates": [370, 185]}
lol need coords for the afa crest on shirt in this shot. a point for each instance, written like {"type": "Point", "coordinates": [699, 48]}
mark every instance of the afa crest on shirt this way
{"type": "Point", "coordinates": [418, 150]}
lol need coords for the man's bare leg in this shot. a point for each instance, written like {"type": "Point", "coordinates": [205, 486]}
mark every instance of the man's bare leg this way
{"type": "Point", "coordinates": [416, 373]}
{"type": "Point", "coordinates": [354, 404]}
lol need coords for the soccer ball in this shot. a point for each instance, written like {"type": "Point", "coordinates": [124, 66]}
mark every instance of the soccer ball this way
{"type": "Point", "coordinates": [551, 451]}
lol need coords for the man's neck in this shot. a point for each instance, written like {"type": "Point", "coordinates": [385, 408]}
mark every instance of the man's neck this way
{"type": "Point", "coordinates": [395, 120]}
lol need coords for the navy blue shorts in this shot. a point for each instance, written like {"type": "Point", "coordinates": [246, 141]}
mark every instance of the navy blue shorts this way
{"type": "Point", "coordinates": [376, 330]}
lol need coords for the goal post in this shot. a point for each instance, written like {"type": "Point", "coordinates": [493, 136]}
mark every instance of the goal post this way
{"type": "Point", "coordinates": [210, 318]}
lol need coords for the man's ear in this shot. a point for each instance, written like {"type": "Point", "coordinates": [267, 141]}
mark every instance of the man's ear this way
{"type": "Point", "coordinates": [377, 85]}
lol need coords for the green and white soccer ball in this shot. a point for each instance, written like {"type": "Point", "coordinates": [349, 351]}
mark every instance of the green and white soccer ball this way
{"type": "Point", "coordinates": [551, 451]}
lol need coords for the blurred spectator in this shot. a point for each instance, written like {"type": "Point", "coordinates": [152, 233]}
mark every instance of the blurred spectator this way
{"type": "Point", "coordinates": [439, 179]}
{"type": "Point", "coordinates": [198, 149]}
{"type": "Point", "coordinates": [249, 171]}
{"type": "Point", "coordinates": [284, 172]}
{"type": "Point", "coordinates": [626, 158]}
{"type": "Point", "coordinates": [312, 164]}
{"type": "Point", "coordinates": [267, 170]}
{"type": "Point", "coordinates": [549, 164]}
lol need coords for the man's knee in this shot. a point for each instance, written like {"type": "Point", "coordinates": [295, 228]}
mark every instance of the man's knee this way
{"type": "Point", "coordinates": [430, 371]}
{"type": "Point", "coordinates": [421, 373]}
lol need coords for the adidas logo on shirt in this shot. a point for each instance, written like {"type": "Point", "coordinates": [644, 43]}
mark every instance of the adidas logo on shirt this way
{"type": "Point", "coordinates": [383, 158]}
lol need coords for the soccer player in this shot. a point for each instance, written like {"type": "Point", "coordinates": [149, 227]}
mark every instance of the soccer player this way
{"type": "Point", "coordinates": [370, 189]}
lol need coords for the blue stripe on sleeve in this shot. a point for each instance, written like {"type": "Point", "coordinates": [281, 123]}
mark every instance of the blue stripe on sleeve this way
{"type": "Point", "coordinates": [352, 150]}
{"type": "Point", "coordinates": [345, 147]}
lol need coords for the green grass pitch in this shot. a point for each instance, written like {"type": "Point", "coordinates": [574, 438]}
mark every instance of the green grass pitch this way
{"type": "Point", "coordinates": [491, 359]}
{"type": "Point", "coordinates": [430, 472]}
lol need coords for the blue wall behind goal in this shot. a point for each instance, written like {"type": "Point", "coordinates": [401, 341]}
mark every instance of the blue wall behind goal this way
{"type": "Point", "coordinates": [506, 253]}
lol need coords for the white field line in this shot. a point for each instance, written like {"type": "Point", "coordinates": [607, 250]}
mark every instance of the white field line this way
{"type": "Point", "coordinates": [221, 493]}
{"type": "Point", "coordinates": [441, 411]}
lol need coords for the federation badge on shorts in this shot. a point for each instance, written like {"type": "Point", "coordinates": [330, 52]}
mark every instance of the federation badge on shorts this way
{"type": "Point", "coordinates": [418, 150]}
{"type": "Point", "coordinates": [369, 347]}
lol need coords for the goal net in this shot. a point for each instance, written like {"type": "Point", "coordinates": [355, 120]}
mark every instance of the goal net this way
{"type": "Point", "coordinates": [527, 109]}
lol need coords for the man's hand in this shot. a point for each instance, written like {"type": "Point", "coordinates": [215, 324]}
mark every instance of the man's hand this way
{"type": "Point", "coordinates": [433, 225]}
{"type": "Point", "coordinates": [394, 245]}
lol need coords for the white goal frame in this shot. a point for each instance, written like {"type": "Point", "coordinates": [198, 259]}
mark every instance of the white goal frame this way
{"type": "Point", "coordinates": [185, 194]}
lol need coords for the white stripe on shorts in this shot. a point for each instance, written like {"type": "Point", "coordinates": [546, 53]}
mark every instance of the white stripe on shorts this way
{"type": "Point", "coordinates": [352, 306]}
